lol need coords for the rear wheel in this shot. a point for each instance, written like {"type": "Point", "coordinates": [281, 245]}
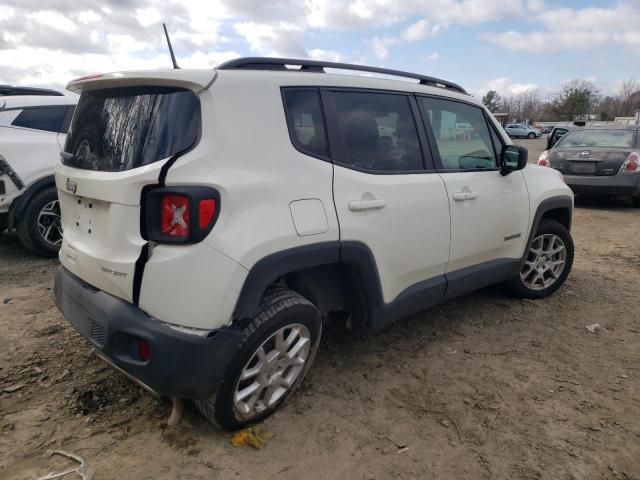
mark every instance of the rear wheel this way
{"type": "Point", "coordinates": [546, 264]}
{"type": "Point", "coordinates": [39, 228]}
{"type": "Point", "coordinates": [531, 136]}
{"type": "Point", "coordinates": [275, 353]}
{"type": "Point", "coordinates": [635, 201]}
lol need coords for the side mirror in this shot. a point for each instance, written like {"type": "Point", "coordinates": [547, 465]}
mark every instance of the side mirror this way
{"type": "Point", "coordinates": [513, 157]}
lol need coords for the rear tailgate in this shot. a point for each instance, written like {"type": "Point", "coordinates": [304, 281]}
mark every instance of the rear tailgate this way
{"type": "Point", "coordinates": [124, 130]}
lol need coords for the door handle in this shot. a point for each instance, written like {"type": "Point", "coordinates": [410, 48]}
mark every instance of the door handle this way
{"type": "Point", "coordinates": [361, 205]}
{"type": "Point", "coordinates": [461, 196]}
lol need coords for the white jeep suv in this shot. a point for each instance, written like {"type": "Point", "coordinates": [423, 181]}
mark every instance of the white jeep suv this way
{"type": "Point", "coordinates": [32, 133]}
{"type": "Point", "coordinates": [215, 219]}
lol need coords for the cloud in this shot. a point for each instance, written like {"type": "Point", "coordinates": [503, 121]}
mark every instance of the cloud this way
{"type": "Point", "coordinates": [380, 46]}
{"type": "Point", "coordinates": [432, 56]}
{"type": "Point", "coordinates": [506, 87]}
{"type": "Point", "coordinates": [581, 29]}
{"type": "Point", "coordinates": [416, 31]}
{"type": "Point", "coordinates": [280, 40]}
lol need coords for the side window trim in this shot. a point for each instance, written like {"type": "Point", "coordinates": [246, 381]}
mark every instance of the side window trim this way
{"type": "Point", "coordinates": [66, 122]}
{"type": "Point", "coordinates": [294, 142]}
{"type": "Point", "coordinates": [432, 139]}
{"type": "Point", "coordinates": [336, 141]}
{"type": "Point", "coordinates": [494, 133]}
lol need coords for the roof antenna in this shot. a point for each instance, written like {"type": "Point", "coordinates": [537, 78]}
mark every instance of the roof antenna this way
{"type": "Point", "coordinates": [173, 57]}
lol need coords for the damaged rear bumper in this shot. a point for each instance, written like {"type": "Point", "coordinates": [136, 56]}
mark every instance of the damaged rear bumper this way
{"type": "Point", "coordinates": [180, 364]}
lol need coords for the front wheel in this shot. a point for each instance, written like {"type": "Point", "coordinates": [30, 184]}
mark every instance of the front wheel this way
{"type": "Point", "coordinates": [275, 353]}
{"type": "Point", "coordinates": [547, 263]}
{"type": "Point", "coordinates": [531, 136]}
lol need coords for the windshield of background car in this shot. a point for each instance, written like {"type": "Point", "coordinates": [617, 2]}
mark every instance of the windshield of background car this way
{"type": "Point", "coordinates": [599, 138]}
{"type": "Point", "coordinates": [118, 129]}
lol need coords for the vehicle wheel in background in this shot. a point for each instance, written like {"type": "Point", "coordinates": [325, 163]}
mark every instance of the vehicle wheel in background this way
{"type": "Point", "coordinates": [275, 353]}
{"type": "Point", "coordinates": [547, 263]}
{"type": "Point", "coordinates": [531, 136]}
{"type": "Point", "coordinates": [40, 229]}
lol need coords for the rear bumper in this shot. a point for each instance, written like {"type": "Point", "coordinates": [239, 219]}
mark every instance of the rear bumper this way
{"type": "Point", "coordinates": [181, 365]}
{"type": "Point", "coordinates": [620, 184]}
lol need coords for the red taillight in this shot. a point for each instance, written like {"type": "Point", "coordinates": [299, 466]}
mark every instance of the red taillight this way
{"type": "Point", "coordinates": [632, 163]}
{"type": "Point", "coordinates": [144, 350]}
{"type": "Point", "coordinates": [174, 220]}
{"type": "Point", "coordinates": [206, 211]}
{"type": "Point", "coordinates": [543, 162]}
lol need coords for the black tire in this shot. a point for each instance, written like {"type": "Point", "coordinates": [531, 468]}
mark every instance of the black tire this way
{"type": "Point", "coordinates": [635, 201]}
{"type": "Point", "coordinates": [531, 136]}
{"type": "Point", "coordinates": [280, 307]}
{"type": "Point", "coordinates": [546, 227]}
{"type": "Point", "coordinates": [27, 228]}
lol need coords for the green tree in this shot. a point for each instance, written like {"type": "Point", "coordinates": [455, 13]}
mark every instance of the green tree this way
{"type": "Point", "coordinates": [492, 100]}
{"type": "Point", "coordinates": [577, 99]}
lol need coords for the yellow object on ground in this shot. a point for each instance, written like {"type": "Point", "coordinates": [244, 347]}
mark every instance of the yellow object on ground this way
{"type": "Point", "coordinates": [251, 436]}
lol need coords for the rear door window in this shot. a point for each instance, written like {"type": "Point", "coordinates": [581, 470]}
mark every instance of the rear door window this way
{"type": "Point", "coordinates": [119, 129]}
{"type": "Point", "coordinates": [599, 138]}
{"type": "Point", "coordinates": [48, 119]}
{"type": "Point", "coordinates": [379, 131]}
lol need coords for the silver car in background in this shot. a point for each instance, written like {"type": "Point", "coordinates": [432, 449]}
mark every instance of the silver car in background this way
{"type": "Point", "coordinates": [515, 130]}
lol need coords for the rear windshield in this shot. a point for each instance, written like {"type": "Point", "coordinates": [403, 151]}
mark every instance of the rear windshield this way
{"type": "Point", "coordinates": [119, 129]}
{"type": "Point", "coordinates": [599, 138]}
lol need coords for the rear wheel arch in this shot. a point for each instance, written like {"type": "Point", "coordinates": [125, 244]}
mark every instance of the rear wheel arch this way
{"type": "Point", "coordinates": [334, 277]}
{"type": "Point", "coordinates": [22, 202]}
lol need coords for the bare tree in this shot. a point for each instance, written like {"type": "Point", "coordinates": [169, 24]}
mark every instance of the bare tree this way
{"type": "Point", "coordinates": [628, 97]}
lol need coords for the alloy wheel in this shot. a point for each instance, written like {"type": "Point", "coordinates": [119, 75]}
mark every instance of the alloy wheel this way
{"type": "Point", "coordinates": [49, 223]}
{"type": "Point", "coordinates": [545, 262]}
{"type": "Point", "coordinates": [272, 370]}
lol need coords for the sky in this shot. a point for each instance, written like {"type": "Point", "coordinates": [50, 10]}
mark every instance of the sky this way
{"type": "Point", "coordinates": [512, 46]}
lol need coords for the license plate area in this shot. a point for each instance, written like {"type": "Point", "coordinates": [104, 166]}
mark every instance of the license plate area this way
{"type": "Point", "coordinates": [583, 167]}
{"type": "Point", "coordinates": [85, 216]}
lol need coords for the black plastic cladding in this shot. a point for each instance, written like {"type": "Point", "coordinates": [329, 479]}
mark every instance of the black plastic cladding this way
{"type": "Point", "coordinates": [151, 212]}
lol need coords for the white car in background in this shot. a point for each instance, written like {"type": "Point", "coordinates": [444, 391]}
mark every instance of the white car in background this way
{"type": "Point", "coordinates": [33, 130]}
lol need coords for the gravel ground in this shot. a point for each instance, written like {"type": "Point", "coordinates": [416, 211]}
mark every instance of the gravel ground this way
{"type": "Point", "coordinates": [484, 386]}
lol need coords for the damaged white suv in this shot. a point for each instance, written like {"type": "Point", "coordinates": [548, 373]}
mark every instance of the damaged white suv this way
{"type": "Point", "coordinates": [215, 219]}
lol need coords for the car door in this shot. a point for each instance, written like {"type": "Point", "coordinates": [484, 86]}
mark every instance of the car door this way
{"type": "Point", "coordinates": [387, 195]}
{"type": "Point", "coordinates": [489, 211]}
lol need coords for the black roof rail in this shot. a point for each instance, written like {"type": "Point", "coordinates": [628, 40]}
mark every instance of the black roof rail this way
{"type": "Point", "coordinates": [269, 63]}
{"type": "Point", "coordinates": [7, 90]}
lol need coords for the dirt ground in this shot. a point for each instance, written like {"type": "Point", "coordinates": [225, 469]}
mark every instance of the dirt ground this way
{"type": "Point", "coordinates": [481, 387]}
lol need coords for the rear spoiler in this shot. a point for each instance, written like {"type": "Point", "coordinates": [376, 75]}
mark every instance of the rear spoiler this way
{"type": "Point", "coordinates": [196, 80]}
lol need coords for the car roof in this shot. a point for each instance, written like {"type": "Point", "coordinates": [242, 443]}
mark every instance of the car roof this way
{"type": "Point", "coordinates": [21, 101]}
{"type": "Point", "coordinates": [275, 71]}
{"type": "Point", "coordinates": [18, 90]}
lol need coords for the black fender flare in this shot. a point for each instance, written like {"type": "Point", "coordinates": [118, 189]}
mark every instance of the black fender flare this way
{"type": "Point", "coordinates": [563, 202]}
{"type": "Point", "coordinates": [354, 254]}
{"type": "Point", "coordinates": [20, 204]}
{"type": "Point", "coordinates": [268, 269]}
